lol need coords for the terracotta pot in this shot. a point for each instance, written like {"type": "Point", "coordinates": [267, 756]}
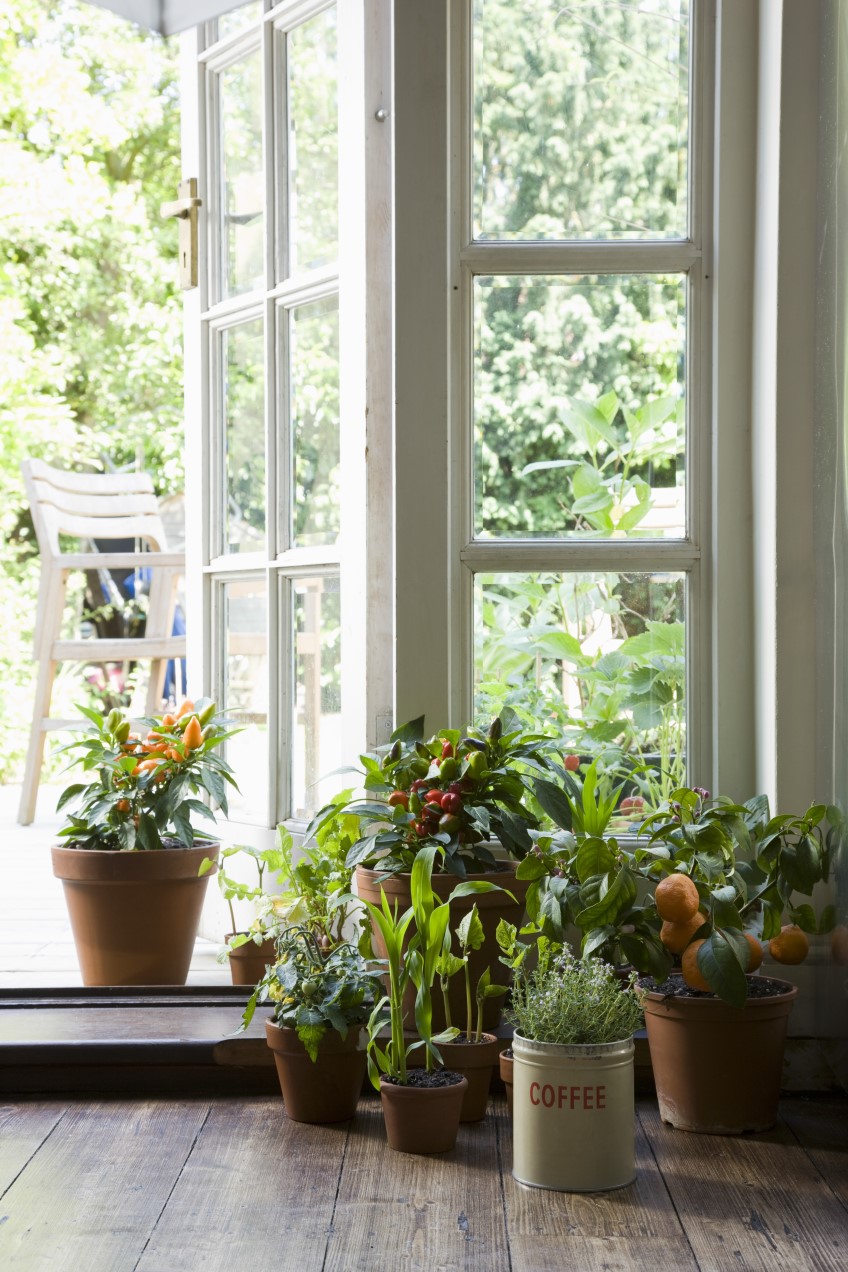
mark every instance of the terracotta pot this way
{"type": "Point", "coordinates": [491, 906]}
{"type": "Point", "coordinates": [422, 1119]}
{"type": "Point", "coordinates": [327, 1090]}
{"type": "Point", "coordinates": [506, 1060]}
{"type": "Point", "coordinates": [718, 1068]}
{"type": "Point", "coordinates": [249, 961]}
{"type": "Point", "coordinates": [574, 1117]}
{"type": "Point", "coordinates": [475, 1061]}
{"type": "Point", "coordinates": [134, 915]}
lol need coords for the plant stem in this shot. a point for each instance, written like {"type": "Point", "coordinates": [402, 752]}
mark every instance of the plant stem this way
{"type": "Point", "coordinates": [446, 1000]}
{"type": "Point", "coordinates": [469, 1022]}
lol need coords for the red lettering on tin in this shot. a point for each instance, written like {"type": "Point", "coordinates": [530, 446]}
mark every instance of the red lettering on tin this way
{"type": "Point", "coordinates": [574, 1091]}
{"type": "Point", "coordinates": [534, 1099]}
{"type": "Point", "coordinates": [601, 1097]}
{"type": "Point", "coordinates": [588, 1096]}
{"type": "Point", "coordinates": [548, 1096]}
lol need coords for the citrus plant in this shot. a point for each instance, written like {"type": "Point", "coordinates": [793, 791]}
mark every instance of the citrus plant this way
{"type": "Point", "coordinates": [144, 789]}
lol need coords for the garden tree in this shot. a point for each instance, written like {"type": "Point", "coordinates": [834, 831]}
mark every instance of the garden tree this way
{"type": "Point", "coordinates": [90, 316]}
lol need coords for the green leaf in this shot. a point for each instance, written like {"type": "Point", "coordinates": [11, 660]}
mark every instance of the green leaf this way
{"type": "Point", "coordinates": [722, 960]}
{"type": "Point", "coordinates": [412, 731]}
{"type": "Point", "coordinates": [554, 802]}
{"type": "Point", "coordinates": [619, 897]}
{"type": "Point", "coordinates": [470, 930]}
{"type": "Point", "coordinates": [594, 857]}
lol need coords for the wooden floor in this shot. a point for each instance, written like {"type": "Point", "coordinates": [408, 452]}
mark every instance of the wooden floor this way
{"type": "Point", "coordinates": [231, 1184]}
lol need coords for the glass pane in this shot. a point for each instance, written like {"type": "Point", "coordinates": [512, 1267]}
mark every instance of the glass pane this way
{"type": "Point", "coordinates": [313, 153]}
{"type": "Point", "coordinates": [578, 407]}
{"type": "Point", "coordinates": [598, 659]}
{"type": "Point", "coordinates": [242, 185]}
{"type": "Point", "coordinates": [238, 19]}
{"type": "Point", "coordinates": [246, 695]}
{"type": "Point", "coordinates": [580, 119]}
{"type": "Point", "coordinates": [243, 514]}
{"type": "Point", "coordinates": [314, 407]}
{"type": "Point", "coordinates": [316, 722]}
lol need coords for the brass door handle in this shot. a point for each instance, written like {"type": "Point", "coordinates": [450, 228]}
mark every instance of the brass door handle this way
{"type": "Point", "coordinates": [184, 209]}
{"type": "Point", "coordinates": [180, 207]}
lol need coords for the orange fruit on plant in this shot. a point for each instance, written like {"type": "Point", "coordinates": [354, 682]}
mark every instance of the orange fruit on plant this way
{"type": "Point", "coordinates": [168, 721]}
{"type": "Point", "coordinates": [186, 709]}
{"type": "Point", "coordinates": [123, 805]}
{"type": "Point", "coordinates": [677, 898]}
{"type": "Point", "coordinates": [756, 955]}
{"type": "Point", "coordinates": [676, 936]}
{"type": "Point", "coordinates": [791, 946]}
{"type": "Point", "coordinates": [193, 735]}
{"type": "Point", "coordinates": [691, 971]}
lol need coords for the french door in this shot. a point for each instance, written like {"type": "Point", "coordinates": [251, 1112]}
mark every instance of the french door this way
{"type": "Point", "coordinates": [285, 394]}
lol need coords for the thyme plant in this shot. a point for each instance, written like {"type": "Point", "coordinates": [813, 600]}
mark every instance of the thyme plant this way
{"type": "Point", "coordinates": [570, 1001]}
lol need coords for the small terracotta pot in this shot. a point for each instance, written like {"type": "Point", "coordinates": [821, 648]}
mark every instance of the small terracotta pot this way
{"type": "Point", "coordinates": [134, 915]}
{"type": "Point", "coordinates": [249, 961]}
{"type": "Point", "coordinates": [506, 1061]}
{"type": "Point", "coordinates": [422, 1119]}
{"type": "Point", "coordinates": [491, 906]}
{"type": "Point", "coordinates": [475, 1061]}
{"type": "Point", "coordinates": [327, 1090]}
{"type": "Point", "coordinates": [718, 1068]}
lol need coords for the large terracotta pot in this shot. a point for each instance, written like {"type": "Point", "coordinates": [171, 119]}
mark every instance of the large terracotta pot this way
{"type": "Point", "coordinates": [249, 961]}
{"type": "Point", "coordinates": [573, 1115]}
{"type": "Point", "coordinates": [328, 1089]}
{"type": "Point", "coordinates": [491, 906]}
{"type": "Point", "coordinates": [134, 915]}
{"type": "Point", "coordinates": [422, 1119]}
{"type": "Point", "coordinates": [718, 1068]}
{"type": "Point", "coordinates": [475, 1061]}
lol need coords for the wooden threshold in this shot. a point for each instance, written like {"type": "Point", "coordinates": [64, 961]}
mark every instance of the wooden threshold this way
{"type": "Point", "coordinates": [137, 1040]}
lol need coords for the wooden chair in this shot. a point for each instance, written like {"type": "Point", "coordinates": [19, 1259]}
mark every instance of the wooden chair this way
{"type": "Point", "coordinates": [95, 507]}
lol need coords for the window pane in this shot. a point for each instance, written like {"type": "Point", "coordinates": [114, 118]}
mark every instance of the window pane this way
{"type": "Point", "coordinates": [578, 406]}
{"type": "Point", "coordinates": [243, 432]}
{"type": "Point", "coordinates": [314, 406]}
{"type": "Point", "coordinates": [316, 724]}
{"type": "Point", "coordinates": [246, 695]}
{"type": "Point", "coordinates": [580, 119]}
{"type": "Point", "coordinates": [238, 19]}
{"type": "Point", "coordinates": [598, 658]}
{"type": "Point", "coordinates": [313, 143]}
{"type": "Point", "coordinates": [242, 186]}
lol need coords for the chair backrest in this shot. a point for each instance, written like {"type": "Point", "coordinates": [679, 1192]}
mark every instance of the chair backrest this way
{"type": "Point", "coordinates": [91, 506]}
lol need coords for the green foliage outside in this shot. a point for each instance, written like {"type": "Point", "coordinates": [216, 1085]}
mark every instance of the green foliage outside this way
{"type": "Point", "coordinates": [90, 311]}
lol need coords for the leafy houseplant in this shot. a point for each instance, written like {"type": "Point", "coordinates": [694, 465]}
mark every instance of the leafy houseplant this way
{"type": "Point", "coordinates": [130, 862]}
{"type": "Point", "coordinates": [322, 999]}
{"type": "Point", "coordinates": [573, 1074]}
{"type": "Point", "coordinates": [248, 950]}
{"type": "Point", "coordinates": [421, 1107]}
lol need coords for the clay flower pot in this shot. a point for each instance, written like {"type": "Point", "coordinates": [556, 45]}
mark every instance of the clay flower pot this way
{"type": "Point", "coordinates": [248, 961]}
{"type": "Point", "coordinates": [506, 1061]}
{"type": "Point", "coordinates": [422, 1119]}
{"type": "Point", "coordinates": [718, 1068]}
{"type": "Point", "coordinates": [491, 906]}
{"type": "Point", "coordinates": [328, 1089]}
{"type": "Point", "coordinates": [475, 1061]}
{"type": "Point", "coordinates": [134, 915]}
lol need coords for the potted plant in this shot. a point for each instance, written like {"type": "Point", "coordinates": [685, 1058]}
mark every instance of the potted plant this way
{"type": "Point", "coordinates": [322, 999]}
{"type": "Point", "coordinates": [726, 875]}
{"type": "Point", "coordinates": [248, 950]}
{"type": "Point", "coordinates": [421, 1106]}
{"type": "Point", "coordinates": [472, 1053]}
{"type": "Point", "coordinates": [130, 858]}
{"type": "Point", "coordinates": [469, 794]}
{"type": "Point", "coordinates": [573, 1112]}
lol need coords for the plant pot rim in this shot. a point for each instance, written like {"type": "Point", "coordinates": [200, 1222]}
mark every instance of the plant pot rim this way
{"type": "Point", "coordinates": [105, 866]}
{"type": "Point", "coordinates": [713, 1002]}
{"type": "Point", "coordinates": [405, 1092]}
{"type": "Point", "coordinates": [525, 1048]}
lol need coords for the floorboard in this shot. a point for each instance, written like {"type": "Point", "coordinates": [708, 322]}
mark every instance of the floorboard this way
{"type": "Point", "coordinates": [23, 1129]}
{"type": "Point", "coordinates": [404, 1213]}
{"type": "Point", "coordinates": [755, 1203]}
{"type": "Point", "coordinates": [821, 1128]}
{"type": "Point", "coordinates": [257, 1191]}
{"type": "Point", "coordinates": [90, 1197]}
{"type": "Point", "coordinates": [634, 1229]}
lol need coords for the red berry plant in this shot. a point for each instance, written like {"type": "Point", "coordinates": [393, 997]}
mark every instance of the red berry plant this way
{"type": "Point", "coordinates": [460, 790]}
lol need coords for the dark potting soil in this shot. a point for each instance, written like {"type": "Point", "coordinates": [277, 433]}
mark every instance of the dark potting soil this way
{"type": "Point", "coordinates": [433, 1078]}
{"type": "Point", "coordinates": [676, 987]}
{"type": "Point", "coordinates": [472, 1041]}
